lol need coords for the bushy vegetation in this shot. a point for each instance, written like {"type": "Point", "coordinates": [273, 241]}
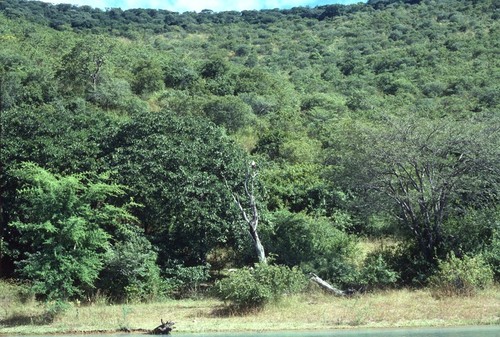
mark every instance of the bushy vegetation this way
{"type": "Point", "coordinates": [248, 288]}
{"type": "Point", "coordinates": [316, 244]}
{"type": "Point", "coordinates": [131, 272]}
{"type": "Point", "coordinates": [465, 276]}
{"type": "Point", "coordinates": [187, 281]}
{"type": "Point", "coordinates": [127, 135]}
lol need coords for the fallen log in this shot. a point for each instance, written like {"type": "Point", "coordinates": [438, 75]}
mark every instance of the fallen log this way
{"type": "Point", "coordinates": [325, 285]}
{"type": "Point", "coordinates": [164, 329]}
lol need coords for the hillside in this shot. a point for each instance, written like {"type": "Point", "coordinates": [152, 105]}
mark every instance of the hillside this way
{"type": "Point", "coordinates": [126, 138]}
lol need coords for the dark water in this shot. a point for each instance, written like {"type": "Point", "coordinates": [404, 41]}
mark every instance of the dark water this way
{"type": "Point", "coordinates": [483, 331]}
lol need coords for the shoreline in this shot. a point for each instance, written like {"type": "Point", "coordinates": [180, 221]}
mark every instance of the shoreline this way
{"type": "Point", "coordinates": [363, 329]}
{"type": "Point", "coordinates": [391, 309]}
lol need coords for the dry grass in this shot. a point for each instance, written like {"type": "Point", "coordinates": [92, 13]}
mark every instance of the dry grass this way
{"type": "Point", "coordinates": [396, 308]}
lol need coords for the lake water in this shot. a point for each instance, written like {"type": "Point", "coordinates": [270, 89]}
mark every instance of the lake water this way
{"type": "Point", "coordinates": [484, 331]}
{"type": "Point", "coordinates": [487, 331]}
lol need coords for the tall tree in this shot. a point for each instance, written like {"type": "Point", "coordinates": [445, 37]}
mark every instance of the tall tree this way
{"type": "Point", "coordinates": [250, 211]}
{"type": "Point", "coordinates": [422, 172]}
{"type": "Point", "coordinates": [176, 167]}
{"type": "Point", "coordinates": [82, 67]}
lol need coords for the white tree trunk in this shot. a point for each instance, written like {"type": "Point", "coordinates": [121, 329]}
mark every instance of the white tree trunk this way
{"type": "Point", "coordinates": [325, 285]}
{"type": "Point", "coordinates": [253, 220]}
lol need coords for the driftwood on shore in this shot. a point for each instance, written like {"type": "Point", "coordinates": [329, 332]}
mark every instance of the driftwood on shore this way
{"type": "Point", "coordinates": [325, 285]}
{"type": "Point", "coordinates": [164, 329]}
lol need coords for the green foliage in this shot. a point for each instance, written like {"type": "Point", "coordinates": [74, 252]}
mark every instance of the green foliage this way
{"type": "Point", "coordinates": [148, 77]}
{"type": "Point", "coordinates": [180, 74]}
{"type": "Point", "coordinates": [424, 173]}
{"type": "Point", "coordinates": [65, 138]}
{"type": "Point", "coordinates": [53, 309]}
{"type": "Point", "coordinates": [407, 261]}
{"type": "Point", "coordinates": [82, 67]}
{"type": "Point", "coordinates": [130, 271]}
{"type": "Point", "coordinates": [214, 68]}
{"type": "Point", "coordinates": [254, 287]}
{"type": "Point", "coordinates": [314, 244]}
{"type": "Point", "coordinates": [376, 273]}
{"type": "Point", "coordinates": [298, 187]}
{"type": "Point", "coordinates": [178, 168]}
{"type": "Point", "coordinates": [492, 254]}
{"type": "Point", "coordinates": [461, 277]}
{"type": "Point", "coordinates": [472, 231]}
{"type": "Point", "coordinates": [63, 219]}
{"type": "Point", "coordinates": [112, 93]}
{"type": "Point", "coordinates": [321, 96]}
{"type": "Point", "coordinates": [229, 111]}
{"type": "Point", "coordinates": [187, 281]}
{"type": "Point", "coordinates": [14, 293]}
{"type": "Point", "coordinates": [22, 80]}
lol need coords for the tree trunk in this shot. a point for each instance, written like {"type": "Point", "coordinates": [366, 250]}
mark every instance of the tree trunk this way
{"type": "Point", "coordinates": [327, 286]}
{"type": "Point", "coordinates": [252, 221]}
{"type": "Point", "coordinates": [259, 248]}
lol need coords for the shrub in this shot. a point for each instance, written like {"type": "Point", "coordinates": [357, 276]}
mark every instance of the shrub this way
{"type": "Point", "coordinates": [492, 255]}
{"type": "Point", "coordinates": [406, 259]}
{"type": "Point", "coordinates": [254, 287]}
{"type": "Point", "coordinates": [376, 272]}
{"type": "Point", "coordinates": [463, 277]}
{"type": "Point", "coordinates": [186, 281]}
{"type": "Point", "coordinates": [54, 309]}
{"type": "Point", "coordinates": [14, 293]}
{"type": "Point", "coordinates": [315, 244]}
{"type": "Point", "coordinates": [131, 272]}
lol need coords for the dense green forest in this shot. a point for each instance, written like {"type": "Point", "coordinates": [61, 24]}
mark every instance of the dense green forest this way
{"type": "Point", "coordinates": [135, 142]}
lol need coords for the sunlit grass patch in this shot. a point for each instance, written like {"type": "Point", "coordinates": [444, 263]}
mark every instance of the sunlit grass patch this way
{"type": "Point", "coordinates": [306, 311]}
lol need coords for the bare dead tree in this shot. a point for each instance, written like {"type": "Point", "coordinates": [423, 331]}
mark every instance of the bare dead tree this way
{"type": "Point", "coordinates": [251, 214]}
{"type": "Point", "coordinates": [325, 285]}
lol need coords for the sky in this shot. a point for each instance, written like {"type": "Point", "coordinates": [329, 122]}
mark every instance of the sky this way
{"type": "Point", "coordinates": [198, 5]}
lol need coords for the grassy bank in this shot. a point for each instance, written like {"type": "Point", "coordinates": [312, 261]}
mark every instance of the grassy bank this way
{"type": "Point", "coordinates": [395, 308]}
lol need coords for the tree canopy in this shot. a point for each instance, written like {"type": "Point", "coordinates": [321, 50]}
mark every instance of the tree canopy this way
{"type": "Point", "coordinates": [376, 120]}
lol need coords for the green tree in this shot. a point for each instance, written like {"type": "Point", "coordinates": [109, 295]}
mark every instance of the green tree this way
{"type": "Point", "coordinates": [423, 172]}
{"type": "Point", "coordinates": [11, 78]}
{"type": "Point", "coordinates": [298, 188]}
{"type": "Point", "coordinates": [63, 139]}
{"type": "Point", "coordinates": [67, 221]}
{"type": "Point", "coordinates": [148, 77]}
{"type": "Point", "coordinates": [180, 74]}
{"type": "Point", "coordinates": [112, 93]}
{"type": "Point", "coordinates": [229, 111]}
{"type": "Point", "coordinates": [176, 168]}
{"type": "Point", "coordinates": [82, 67]}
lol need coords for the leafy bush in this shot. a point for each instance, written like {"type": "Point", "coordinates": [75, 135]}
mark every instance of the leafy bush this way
{"type": "Point", "coordinates": [254, 287]}
{"type": "Point", "coordinates": [186, 281]}
{"type": "Point", "coordinates": [131, 272]}
{"type": "Point", "coordinates": [461, 276]}
{"type": "Point", "coordinates": [14, 293]}
{"type": "Point", "coordinates": [315, 244]}
{"type": "Point", "coordinates": [407, 261]}
{"type": "Point", "coordinates": [376, 272]}
{"type": "Point", "coordinates": [492, 255]}
{"type": "Point", "coordinates": [471, 232]}
{"type": "Point", "coordinates": [54, 309]}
